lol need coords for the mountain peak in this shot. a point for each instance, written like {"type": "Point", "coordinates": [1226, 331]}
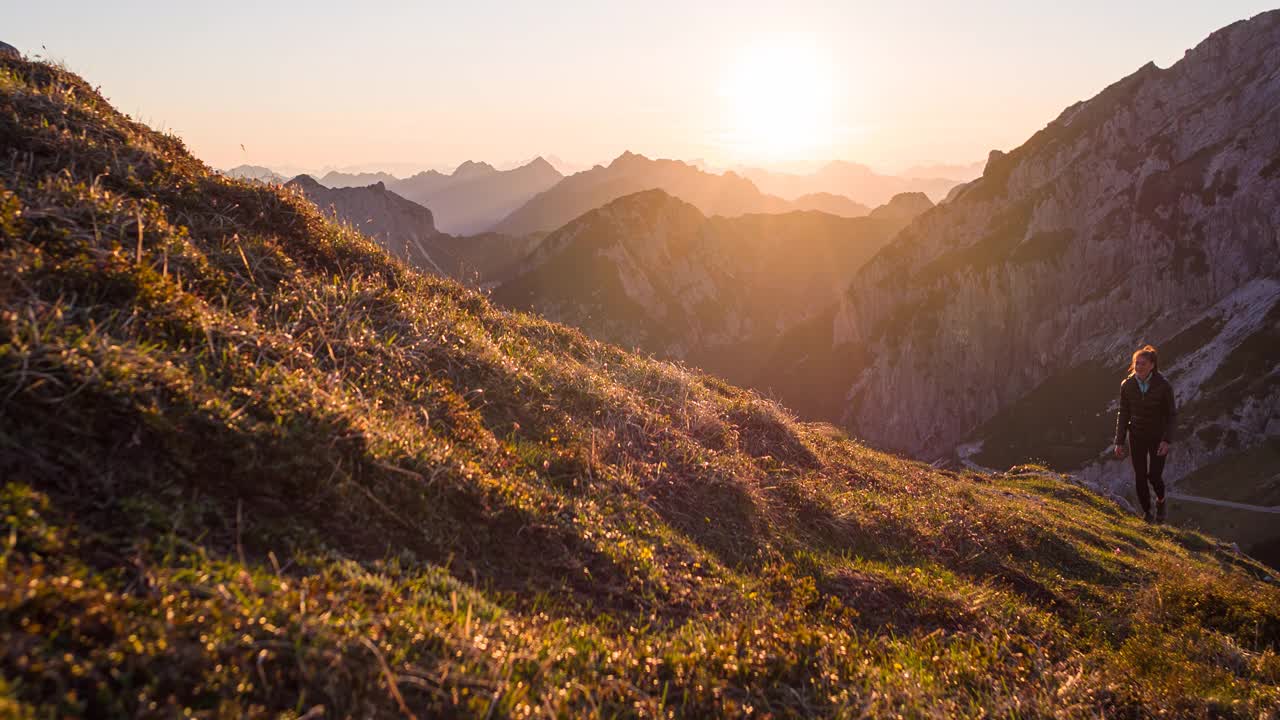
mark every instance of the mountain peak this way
{"type": "Point", "coordinates": [539, 163]}
{"type": "Point", "coordinates": [305, 181]}
{"type": "Point", "coordinates": [903, 206]}
{"type": "Point", "coordinates": [628, 158]}
{"type": "Point", "coordinates": [471, 168]}
{"type": "Point", "coordinates": [425, 174]}
{"type": "Point", "coordinates": [653, 197]}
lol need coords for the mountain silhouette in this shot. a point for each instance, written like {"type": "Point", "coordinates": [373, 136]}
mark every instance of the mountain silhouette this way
{"type": "Point", "coordinates": [475, 196]}
{"type": "Point", "coordinates": [855, 181]}
{"type": "Point", "coordinates": [726, 194]}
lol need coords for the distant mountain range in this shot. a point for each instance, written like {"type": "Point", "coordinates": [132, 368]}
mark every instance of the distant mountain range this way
{"type": "Point", "coordinates": [535, 197]}
{"type": "Point", "coordinates": [337, 179]}
{"type": "Point", "coordinates": [255, 172]}
{"type": "Point", "coordinates": [856, 181]}
{"type": "Point", "coordinates": [476, 196]}
{"type": "Point", "coordinates": [728, 194]}
{"type": "Point", "coordinates": [468, 201]}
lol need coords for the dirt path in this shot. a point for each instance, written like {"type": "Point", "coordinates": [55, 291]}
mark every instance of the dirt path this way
{"type": "Point", "coordinates": [1225, 503]}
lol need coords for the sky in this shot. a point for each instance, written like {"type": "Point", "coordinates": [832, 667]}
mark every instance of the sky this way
{"type": "Point", "coordinates": [410, 85]}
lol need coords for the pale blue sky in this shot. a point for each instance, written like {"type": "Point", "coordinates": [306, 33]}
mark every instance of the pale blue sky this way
{"type": "Point", "coordinates": [307, 85]}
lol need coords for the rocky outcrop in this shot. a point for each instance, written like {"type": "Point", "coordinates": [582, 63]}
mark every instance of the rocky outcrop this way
{"type": "Point", "coordinates": [650, 270]}
{"type": "Point", "coordinates": [1150, 213]}
{"type": "Point", "coordinates": [7, 50]}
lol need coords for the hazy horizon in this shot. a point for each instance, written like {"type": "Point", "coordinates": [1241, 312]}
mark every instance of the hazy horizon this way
{"type": "Point", "coordinates": [323, 85]}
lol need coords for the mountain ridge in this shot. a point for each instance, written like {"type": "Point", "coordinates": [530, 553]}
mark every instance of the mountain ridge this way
{"type": "Point", "coordinates": [727, 194]}
{"type": "Point", "coordinates": [851, 179]}
{"type": "Point", "coordinates": [473, 198]}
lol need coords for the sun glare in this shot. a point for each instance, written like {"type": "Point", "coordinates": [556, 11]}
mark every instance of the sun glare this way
{"type": "Point", "coordinates": [778, 104]}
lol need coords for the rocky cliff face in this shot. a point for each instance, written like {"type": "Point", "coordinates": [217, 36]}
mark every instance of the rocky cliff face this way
{"type": "Point", "coordinates": [649, 270]}
{"type": "Point", "coordinates": [1149, 213]}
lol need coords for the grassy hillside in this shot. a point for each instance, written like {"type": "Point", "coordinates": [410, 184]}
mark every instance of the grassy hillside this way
{"type": "Point", "coordinates": [253, 466]}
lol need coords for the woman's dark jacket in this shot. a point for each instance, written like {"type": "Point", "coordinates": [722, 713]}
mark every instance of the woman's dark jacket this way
{"type": "Point", "coordinates": [1150, 415]}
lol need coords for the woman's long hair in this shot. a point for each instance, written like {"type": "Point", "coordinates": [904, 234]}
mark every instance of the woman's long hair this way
{"type": "Point", "coordinates": [1147, 351]}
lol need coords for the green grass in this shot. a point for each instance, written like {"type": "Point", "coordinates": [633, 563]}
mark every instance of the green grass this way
{"type": "Point", "coordinates": [253, 466]}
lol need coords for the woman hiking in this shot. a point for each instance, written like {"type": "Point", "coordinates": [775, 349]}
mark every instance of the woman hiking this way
{"type": "Point", "coordinates": [1146, 415]}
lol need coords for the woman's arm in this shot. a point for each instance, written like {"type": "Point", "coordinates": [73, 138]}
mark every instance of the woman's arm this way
{"type": "Point", "coordinates": [1122, 418]}
{"type": "Point", "coordinates": [1170, 414]}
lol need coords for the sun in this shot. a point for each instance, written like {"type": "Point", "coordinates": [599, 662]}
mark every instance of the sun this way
{"type": "Point", "coordinates": [778, 103]}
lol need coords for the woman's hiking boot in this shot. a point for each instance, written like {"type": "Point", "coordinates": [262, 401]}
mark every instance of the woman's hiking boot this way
{"type": "Point", "coordinates": [1160, 510]}
{"type": "Point", "coordinates": [1146, 516]}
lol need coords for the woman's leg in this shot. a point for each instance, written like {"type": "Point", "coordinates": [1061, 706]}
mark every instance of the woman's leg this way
{"type": "Point", "coordinates": [1156, 476]}
{"type": "Point", "coordinates": [1138, 451]}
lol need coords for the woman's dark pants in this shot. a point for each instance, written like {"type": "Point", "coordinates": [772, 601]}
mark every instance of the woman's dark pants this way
{"type": "Point", "coordinates": [1148, 467]}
